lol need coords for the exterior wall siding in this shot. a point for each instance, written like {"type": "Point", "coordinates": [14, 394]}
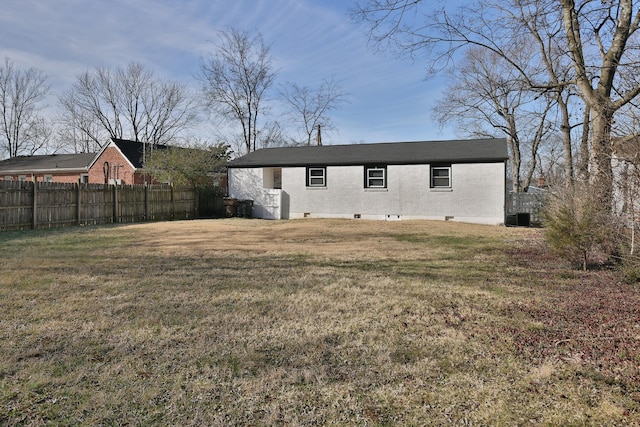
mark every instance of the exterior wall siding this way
{"type": "Point", "coordinates": [477, 193]}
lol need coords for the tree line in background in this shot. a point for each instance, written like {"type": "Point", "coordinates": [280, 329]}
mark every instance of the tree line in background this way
{"type": "Point", "coordinates": [559, 79]}
{"type": "Point", "coordinates": [236, 86]}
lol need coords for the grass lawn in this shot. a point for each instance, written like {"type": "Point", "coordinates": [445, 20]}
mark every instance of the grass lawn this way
{"type": "Point", "coordinates": [310, 322]}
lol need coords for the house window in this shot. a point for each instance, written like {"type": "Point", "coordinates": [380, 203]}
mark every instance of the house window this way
{"type": "Point", "coordinates": [8, 178]}
{"type": "Point", "coordinates": [317, 177]}
{"type": "Point", "coordinates": [84, 178]}
{"type": "Point", "coordinates": [22, 178]}
{"type": "Point", "coordinates": [441, 177]}
{"type": "Point", "coordinates": [375, 177]}
{"type": "Point", "coordinates": [48, 178]}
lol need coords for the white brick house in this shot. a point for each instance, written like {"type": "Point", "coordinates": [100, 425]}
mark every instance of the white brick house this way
{"type": "Point", "coordinates": [459, 180]}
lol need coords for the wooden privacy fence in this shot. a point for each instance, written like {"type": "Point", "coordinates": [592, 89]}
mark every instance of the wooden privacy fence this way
{"type": "Point", "coordinates": [45, 204]}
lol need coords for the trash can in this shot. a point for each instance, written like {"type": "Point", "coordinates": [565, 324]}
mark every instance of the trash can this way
{"type": "Point", "coordinates": [230, 207]}
{"type": "Point", "coordinates": [245, 208]}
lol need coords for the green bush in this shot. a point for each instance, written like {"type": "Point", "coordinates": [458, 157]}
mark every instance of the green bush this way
{"type": "Point", "coordinates": [578, 227]}
{"type": "Point", "coordinates": [630, 270]}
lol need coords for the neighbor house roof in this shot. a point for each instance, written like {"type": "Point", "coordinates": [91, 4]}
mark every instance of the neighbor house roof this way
{"type": "Point", "coordinates": [47, 163]}
{"type": "Point", "coordinates": [132, 150]}
{"type": "Point", "coordinates": [417, 152]}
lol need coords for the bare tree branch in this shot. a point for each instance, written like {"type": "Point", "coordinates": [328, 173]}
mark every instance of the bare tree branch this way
{"type": "Point", "coordinates": [21, 93]}
{"type": "Point", "coordinates": [310, 107]}
{"type": "Point", "coordinates": [235, 79]}
{"type": "Point", "coordinates": [128, 103]}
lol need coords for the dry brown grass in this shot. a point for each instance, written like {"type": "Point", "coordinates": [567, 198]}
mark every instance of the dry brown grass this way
{"type": "Point", "coordinates": [309, 322]}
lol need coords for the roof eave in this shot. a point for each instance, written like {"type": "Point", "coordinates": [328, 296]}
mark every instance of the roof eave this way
{"type": "Point", "coordinates": [34, 171]}
{"type": "Point", "coordinates": [361, 163]}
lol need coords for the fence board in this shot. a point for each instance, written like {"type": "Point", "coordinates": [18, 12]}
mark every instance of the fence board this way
{"type": "Point", "coordinates": [55, 205]}
{"type": "Point", "coordinates": [96, 204]}
{"type": "Point", "coordinates": [529, 203]}
{"type": "Point", "coordinates": [16, 205]}
{"type": "Point", "coordinates": [60, 205]}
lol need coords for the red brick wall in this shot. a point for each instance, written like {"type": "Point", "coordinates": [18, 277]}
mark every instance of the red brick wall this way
{"type": "Point", "coordinates": [69, 178]}
{"type": "Point", "coordinates": [119, 167]}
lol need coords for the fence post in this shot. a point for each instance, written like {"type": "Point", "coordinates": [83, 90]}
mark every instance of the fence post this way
{"type": "Point", "coordinates": [115, 203]}
{"type": "Point", "coordinates": [78, 218]}
{"type": "Point", "coordinates": [146, 202]}
{"type": "Point", "coordinates": [173, 202]}
{"type": "Point", "coordinates": [34, 224]}
{"type": "Point", "coordinates": [196, 207]}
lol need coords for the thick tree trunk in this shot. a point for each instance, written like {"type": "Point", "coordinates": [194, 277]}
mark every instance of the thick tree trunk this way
{"type": "Point", "coordinates": [516, 164]}
{"type": "Point", "coordinates": [600, 169]}
{"type": "Point", "coordinates": [566, 142]}
{"type": "Point", "coordinates": [583, 166]}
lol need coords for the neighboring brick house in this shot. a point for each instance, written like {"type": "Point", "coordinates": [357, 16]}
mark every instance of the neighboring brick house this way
{"type": "Point", "coordinates": [121, 162]}
{"type": "Point", "coordinates": [67, 168]}
{"type": "Point", "coordinates": [118, 162]}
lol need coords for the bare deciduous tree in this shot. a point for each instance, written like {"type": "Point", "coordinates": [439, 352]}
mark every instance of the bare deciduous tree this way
{"type": "Point", "coordinates": [602, 45]}
{"type": "Point", "coordinates": [310, 107]}
{"type": "Point", "coordinates": [80, 130]}
{"type": "Point", "coordinates": [598, 38]}
{"type": "Point", "coordinates": [21, 94]}
{"type": "Point", "coordinates": [545, 32]}
{"type": "Point", "coordinates": [235, 79]}
{"type": "Point", "coordinates": [128, 103]}
{"type": "Point", "coordinates": [484, 91]}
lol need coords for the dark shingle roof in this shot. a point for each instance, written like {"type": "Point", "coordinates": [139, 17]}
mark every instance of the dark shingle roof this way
{"type": "Point", "coordinates": [132, 150]}
{"type": "Point", "coordinates": [418, 152]}
{"type": "Point", "coordinates": [48, 163]}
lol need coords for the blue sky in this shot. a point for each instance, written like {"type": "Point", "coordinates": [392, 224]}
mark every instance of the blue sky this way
{"type": "Point", "coordinates": [310, 40]}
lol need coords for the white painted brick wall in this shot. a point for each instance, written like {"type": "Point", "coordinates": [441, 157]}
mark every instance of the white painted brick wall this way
{"type": "Point", "coordinates": [477, 193]}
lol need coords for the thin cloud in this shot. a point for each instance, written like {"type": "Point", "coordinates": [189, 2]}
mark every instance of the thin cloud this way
{"type": "Point", "coordinates": [310, 40]}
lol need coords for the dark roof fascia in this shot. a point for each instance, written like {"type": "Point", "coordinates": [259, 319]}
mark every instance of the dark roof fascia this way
{"type": "Point", "coordinates": [367, 154]}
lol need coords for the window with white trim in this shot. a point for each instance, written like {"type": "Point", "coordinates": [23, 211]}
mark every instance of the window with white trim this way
{"type": "Point", "coordinates": [316, 177]}
{"type": "Point", "coordinates": [375, 177]}
{"type": "Point", "coordinates": [440, 176]}
{"type": "Point", "coordinates": [48, 178]}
